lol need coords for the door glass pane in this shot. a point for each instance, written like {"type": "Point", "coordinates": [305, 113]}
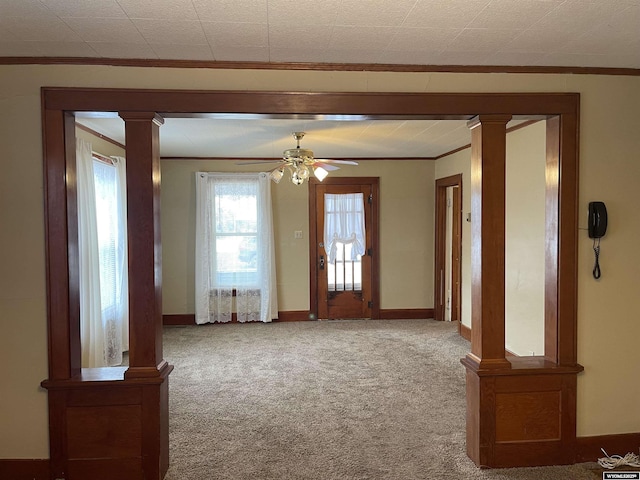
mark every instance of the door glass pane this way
{"type": "Point", "coordinates": [345, 274]}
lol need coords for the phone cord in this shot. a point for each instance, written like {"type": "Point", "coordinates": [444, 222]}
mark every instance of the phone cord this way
{"type": "Point", "coordinates": [596, 251]}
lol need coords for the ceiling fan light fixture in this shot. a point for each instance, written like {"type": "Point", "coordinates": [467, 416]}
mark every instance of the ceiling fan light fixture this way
{"type": "Point", "coordinates": [277, 174]}
{"type": "Point", "coordinates": [303, 171]}
{"type": "Point", "coordinates": [296, 179]}
{"type": "Point", "coordinates": [320, 173]}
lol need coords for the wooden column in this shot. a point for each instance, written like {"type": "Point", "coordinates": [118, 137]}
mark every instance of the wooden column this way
{"type": "Point", "coordinates": [145, 255]}
{"type": "Point", "coordinates": [488, 163]}
{"type": "Point", "coordinates": [520, 411]}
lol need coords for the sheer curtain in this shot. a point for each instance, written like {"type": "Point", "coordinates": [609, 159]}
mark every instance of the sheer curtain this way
{"type": "Point", "coordinates": [234, 248]}
{"type": "Point", "coordinates": [102, 234]}
{"type": "Point", "coordinates": [344, 223]}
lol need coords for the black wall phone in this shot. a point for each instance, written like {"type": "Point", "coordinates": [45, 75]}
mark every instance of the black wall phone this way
{"type": "Point", "coordinates": [597, 219]}
{"type": "Point", "coordinates": [597, 226]}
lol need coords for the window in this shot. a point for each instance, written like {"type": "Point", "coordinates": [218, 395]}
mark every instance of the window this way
{"type": "Point", "coordinates": [236, 234]}
{"type": "Point", "coordinates": [234, 248]}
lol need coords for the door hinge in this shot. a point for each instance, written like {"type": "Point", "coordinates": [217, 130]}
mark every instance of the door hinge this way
{"type": "Point", "coordinates": [370, 252]}
{"type": "Point", "coordinates": [370, 198]}
{"type": "Point", "coordinates": [370, 304]}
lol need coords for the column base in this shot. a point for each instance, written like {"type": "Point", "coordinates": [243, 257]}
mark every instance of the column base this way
{"type": "Point", "coordinates": [103, 425]}
{"type": "Point", "coordinates": [521, 416]}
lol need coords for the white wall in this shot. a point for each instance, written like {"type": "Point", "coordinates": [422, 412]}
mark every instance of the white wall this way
{"type": "Point", "coordinates": [609, 170]}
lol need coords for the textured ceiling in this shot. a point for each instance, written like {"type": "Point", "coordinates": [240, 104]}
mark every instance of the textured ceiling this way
{"type": "Point", "coordinates": [267, 138]}
{"type": "Point", "coordinates": [586, 33]}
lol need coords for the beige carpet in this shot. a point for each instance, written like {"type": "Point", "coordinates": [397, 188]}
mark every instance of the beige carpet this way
{"type": "Point", "coordinates": [324, 400]}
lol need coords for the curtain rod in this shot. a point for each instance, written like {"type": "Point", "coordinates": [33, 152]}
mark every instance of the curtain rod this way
{"type": "Point", "coordinates": [102, 158]}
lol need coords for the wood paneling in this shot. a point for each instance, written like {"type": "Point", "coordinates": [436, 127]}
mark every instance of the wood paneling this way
{"type": "Point", "coordinates": [106, 469]}
{"type": "Point", "coordinates": [527, 416]}
{"type": "Point", "coordinates": [104, 431]}
{"type": "Point", "coordinates": [30, 469]}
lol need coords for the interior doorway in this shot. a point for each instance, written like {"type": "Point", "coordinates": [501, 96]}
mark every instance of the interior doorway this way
{"type": "Point", "coordinates": [342, 272]}
{"type": "Point", "coordinates": [448, 249]}
{"type": "Point", "coordinates": [147, 376]}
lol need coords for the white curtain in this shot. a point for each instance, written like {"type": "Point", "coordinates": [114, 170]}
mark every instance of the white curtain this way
{"type": "Point", "coordinates": [234, 248]}
{"type": "Point", "coordinates": [344, 223]}
{"type": "Point", "coordinates": [102, 234]}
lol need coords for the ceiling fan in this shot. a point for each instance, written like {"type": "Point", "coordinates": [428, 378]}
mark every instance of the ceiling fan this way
{"type": "Point", "coordinates": [301, 162]}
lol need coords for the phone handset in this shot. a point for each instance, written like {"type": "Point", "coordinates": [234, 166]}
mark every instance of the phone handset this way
{"type": "Point", "coordinates": [597, 226]}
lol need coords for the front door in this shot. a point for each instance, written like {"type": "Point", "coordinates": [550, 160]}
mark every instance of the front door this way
{"type": "Point", "coordinates": [343, 269]}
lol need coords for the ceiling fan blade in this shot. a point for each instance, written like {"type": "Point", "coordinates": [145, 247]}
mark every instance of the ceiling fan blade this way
{"type": "Point", "coordinates": [329, 160]}
{"type": "Point", "coordinates": [326, 166]}
{"type": "Point", "coordinates": [259, 162]}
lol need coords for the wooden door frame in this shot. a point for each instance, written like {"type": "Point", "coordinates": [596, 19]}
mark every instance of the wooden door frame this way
{"type": "Point", "coordinates": [374, 182]}
{"type": "Point", "coordinates": [440, 245]}
{"type": "Point", "coordinates": [558, 367]}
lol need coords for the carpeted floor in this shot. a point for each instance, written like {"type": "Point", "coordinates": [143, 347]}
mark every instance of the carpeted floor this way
{"type": "Point", "coordinates": [324, 400]}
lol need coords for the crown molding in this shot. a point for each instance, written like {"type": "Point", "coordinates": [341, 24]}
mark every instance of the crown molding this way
{"type": "Point", "coordinates": [346, 67]}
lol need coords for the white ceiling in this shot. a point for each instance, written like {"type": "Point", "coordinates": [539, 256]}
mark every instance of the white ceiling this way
{"type": "Point", "coordinates": [586, 33]}
{"type": "Point", "coordinates": [583, 33]}
{"type": "Point", "coordinates": [267, 138]}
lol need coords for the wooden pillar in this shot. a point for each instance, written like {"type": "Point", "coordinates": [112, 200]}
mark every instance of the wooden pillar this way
{"type": "Point", "coordinates": [145, 255]}
{"type": "Point", "coordinates": [520, 411]}
{"type": "Point", "coordinates": [488, 163]}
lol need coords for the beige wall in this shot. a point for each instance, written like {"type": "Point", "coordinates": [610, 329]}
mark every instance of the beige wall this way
{"type": "Point", "coordinates": [609, 171]}
{"type": "Point", "coordinates": [525, 240]}
{"type": "Point", "coordinates": [99, 145]}
{"type": "Point", "coordinates": [525, 236]}
{"type": "Point", "coordinates": [460, 162]}
{"type": "Point", "coordinates": [406, 233]}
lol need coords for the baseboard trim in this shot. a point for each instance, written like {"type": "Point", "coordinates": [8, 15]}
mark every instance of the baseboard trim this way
{"type": "Point", "coordinates": [27, 469]}
{"type": "Point", "coordinates": [179, 319]}
{"type": "Point", "coordinates": [294, 316]}
{"type": "Point", "coordinates": [588, 448]}
{"type": "Point", "coordinates": [465, 332]}
{"type": "Point", "coordinates": [304, 315]}
{"type": "Point", "coordinates": [190, 318]}
{"type": "Point", "coordinates": [405, 313]}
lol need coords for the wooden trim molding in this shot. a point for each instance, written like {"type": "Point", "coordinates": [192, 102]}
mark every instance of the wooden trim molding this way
{"type": "Point", "coordinates": [588, 448]}
{"type": "Point", "coordinates": [465, 332]}
{"type": "Point", "coordinates": [294, 316]}
{"type": "Point", "coordinates": [276, 159]}
{"type": "Point", "coordinates": [348, 67]}
{"type": "Point", "coordinates": [405, 313]}
{"type": "Point", "coordinates": [495, 394]}
{"type": "Point", "coordinates": [179, 319]}
{"type": "Point", "coordinates": [440, 248]}
{"type": "Point", "coordinates": [190, 318]}
{"type": "Point", "coordinates": [305, 316]}
{"type": "Point", "coordinates": [110, 140]}
{"type": "Point", "coordinates": [24, 469]}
